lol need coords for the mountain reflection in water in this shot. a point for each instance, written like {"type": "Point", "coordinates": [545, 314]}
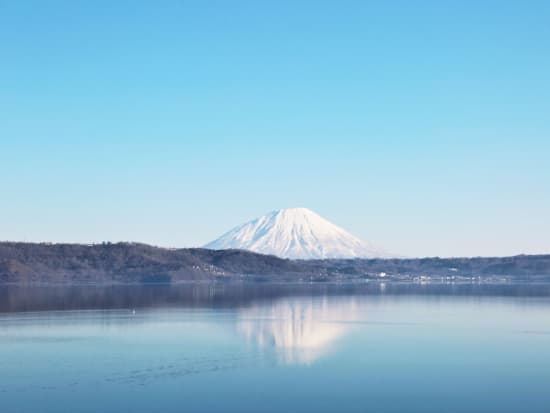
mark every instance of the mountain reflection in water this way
{"type": "Point", "coordinates": [275, 348]}
{"type": "Point", "coordinates": [300, 330]}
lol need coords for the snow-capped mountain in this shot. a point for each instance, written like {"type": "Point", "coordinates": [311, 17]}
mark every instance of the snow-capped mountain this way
{"type": "Point", "coordinates": [296, 233]}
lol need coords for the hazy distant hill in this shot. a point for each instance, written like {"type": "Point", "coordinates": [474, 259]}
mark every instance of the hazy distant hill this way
{"type": "Point", "coordinates": [128, 262]}
{"type": "Point", "coordinates": [132, 262]}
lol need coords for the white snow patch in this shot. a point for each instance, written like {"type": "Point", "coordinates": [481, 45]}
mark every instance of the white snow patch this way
{"type": "Point", "coordinates": [297, 233]}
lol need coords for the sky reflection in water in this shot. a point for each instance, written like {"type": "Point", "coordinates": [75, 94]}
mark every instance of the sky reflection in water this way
{"type": "Point", "coordinates": [268, 350]}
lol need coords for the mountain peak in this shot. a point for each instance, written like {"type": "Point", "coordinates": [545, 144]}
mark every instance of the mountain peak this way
{"type": "Point", "coordinates": [297, 233]}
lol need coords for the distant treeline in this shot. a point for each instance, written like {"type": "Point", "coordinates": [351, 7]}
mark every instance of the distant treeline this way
{"type": "Point", "coordinates": [140, 263]}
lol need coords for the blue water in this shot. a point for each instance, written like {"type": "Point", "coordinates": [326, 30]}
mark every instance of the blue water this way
{"type": "Point", "coordinates": [219, 349]}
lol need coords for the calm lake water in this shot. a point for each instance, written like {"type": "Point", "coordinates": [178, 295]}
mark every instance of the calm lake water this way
{"type": "Point", "coordinates": [274, 348]}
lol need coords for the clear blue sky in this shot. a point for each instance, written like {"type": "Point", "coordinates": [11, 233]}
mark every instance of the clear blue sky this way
{"type": "Point", "coordinates": [422, 126]}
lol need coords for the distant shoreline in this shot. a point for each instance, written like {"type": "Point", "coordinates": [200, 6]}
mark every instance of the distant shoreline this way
{"type": "Point", "coordinates": [127, 263]}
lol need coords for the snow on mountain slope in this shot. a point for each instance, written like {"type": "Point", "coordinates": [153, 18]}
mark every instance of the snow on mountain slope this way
{"type": "Point", "coordinates": [296, 233]}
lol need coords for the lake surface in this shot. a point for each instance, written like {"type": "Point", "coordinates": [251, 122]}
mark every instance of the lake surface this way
{"type": "Point", "coordinates": [275, 348]}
